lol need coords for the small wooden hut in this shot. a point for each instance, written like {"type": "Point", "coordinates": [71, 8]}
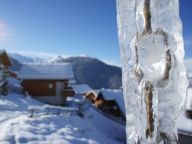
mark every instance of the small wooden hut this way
{"type": "Point", "coordinates": [109, 101]}
{"type": "Point", "coordinates": [47, 82]}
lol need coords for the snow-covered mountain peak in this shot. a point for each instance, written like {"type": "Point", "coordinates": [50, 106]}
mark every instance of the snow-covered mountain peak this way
{"type": "Point", "coordinates": [54, 59]}
{"type": "Point", "coordinates": [26, 59]}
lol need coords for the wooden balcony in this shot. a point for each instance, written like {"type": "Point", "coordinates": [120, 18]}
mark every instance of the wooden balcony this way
{"type": "Point", "coordinates": [68, 92]}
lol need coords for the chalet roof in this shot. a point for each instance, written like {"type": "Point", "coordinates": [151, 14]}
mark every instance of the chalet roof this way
{"type": "Point", "coordinates": [72, 81]}
{"type": "Point", "coordinates": [4, 58]}
{"type": "Point", "coordinates": [116, 95]}
{"type": "Point", "coordinates": [81, 88]}
{"type": "Point", "coordinates": [46, 71]}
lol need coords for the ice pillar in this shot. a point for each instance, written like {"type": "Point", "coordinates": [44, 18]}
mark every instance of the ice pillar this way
{"type": "Point", "coordinates": [154, 75]}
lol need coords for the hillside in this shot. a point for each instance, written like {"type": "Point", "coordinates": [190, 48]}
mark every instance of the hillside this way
{"type": "Point", "coordinates": [28, 120]}
{"type": "Point", "coordinates": [94, 72]}
{"type": "Point", "coordinates": [17, 126]}
{"type": "Point", "coordinates": [15, 64]}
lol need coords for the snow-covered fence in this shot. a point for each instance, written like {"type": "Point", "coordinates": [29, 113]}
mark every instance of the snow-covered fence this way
{"type": "Point", "coordinates": [52, 110]}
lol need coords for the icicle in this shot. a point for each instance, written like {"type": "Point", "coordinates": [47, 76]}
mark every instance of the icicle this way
{"type": "Point", "coordinates": [154, 76]}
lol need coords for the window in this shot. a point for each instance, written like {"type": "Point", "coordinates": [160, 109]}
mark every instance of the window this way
{"type": "Point", "coordinates": [50, 86]}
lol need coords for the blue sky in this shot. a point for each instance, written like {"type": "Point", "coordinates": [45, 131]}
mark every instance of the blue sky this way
{"type": "Point", "coordinates": [69, 27]}
{"type": "Point", "coordinates": [186, 17]}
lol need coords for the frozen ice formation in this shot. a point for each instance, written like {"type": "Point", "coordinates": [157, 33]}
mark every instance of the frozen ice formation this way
{"type": "Point", "coordinates": [154, 75]}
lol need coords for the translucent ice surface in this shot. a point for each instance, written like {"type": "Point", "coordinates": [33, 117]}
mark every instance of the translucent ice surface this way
{"type": "Point", "coordinates": [154, 75]}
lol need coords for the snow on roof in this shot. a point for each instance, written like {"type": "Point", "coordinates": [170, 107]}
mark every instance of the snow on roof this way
{"type": "Point", "coordinates": [81, 88]}
{"type": "Point", "coordinates": [116, 95]}
{"type": "Point", "coordinates": [46, 71]}
{"type": "Point", "coordinates": [72, 81]}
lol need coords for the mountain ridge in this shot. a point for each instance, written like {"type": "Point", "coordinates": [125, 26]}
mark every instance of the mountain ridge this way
{"type": "Point", "coordinates": [94, 72]}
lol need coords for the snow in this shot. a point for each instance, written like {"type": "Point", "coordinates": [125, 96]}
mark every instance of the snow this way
{"type": "Point", "coordinates": [46, 71]}
{"type": "Point", "coordinates": [54, 59]}
{"type": "Point", "coordinates": [188, 64]}
{"type": "Point", "coordinates": [105, 124]}
{"type": "Point", "coordinates": [189, 99]}
{"type": "Point", "coordinates": [52, 128]}
{"type": "Point", "coordinates": [154, 75]}
{"type": "Point", "coordinates": [81, 88]}
{"type": "Point", "coordinates": [72, 81]}
{"type": "Point", "coordinates": [17, 102]}
{"type": "Point", "coordinates": [116, 95]}
{"type": "Point", "coordinates": [184, 123]}
{"type": "Point", "coordinates": [14, 85]}
{"type": "Point", "coordinates": [18, 127]}
{"type": "Point", "coordinates": [22, 58]}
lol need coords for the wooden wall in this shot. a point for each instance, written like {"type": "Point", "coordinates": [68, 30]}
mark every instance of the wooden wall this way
{"type": "Point", "coordinates": [91, 97]}
{"type": "Point", "coordinates": [40, 87]}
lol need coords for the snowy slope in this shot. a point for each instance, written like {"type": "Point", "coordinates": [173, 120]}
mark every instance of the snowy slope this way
{"type": "Point", "coordinates": [105, 125]}
{"type": "Point", "coordinates": [17, 127]}
{"type": "Point", "coordinates": [184, 123]}
{"type": "Point", "coordinates": [50, 129]}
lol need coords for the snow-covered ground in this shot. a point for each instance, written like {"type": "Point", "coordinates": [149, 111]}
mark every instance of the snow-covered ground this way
{"type": "Point", "coordinates": [17, 127]}
{"type": "Point", "coordinates": [184, 123]}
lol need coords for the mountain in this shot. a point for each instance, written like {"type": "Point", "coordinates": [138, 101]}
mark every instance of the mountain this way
{"type": "Point", "coordinates": [54, 59]}
{"type": "Point", "coordinates": [93, 72]}
{"type": "Point", "coordinates": [25, 59]}
{"type": "Point", "coordinates": [15, 64]}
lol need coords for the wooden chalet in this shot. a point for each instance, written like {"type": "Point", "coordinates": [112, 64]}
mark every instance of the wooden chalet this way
{"type": "Point", "coordinates": [110, 102]}
{"type": "Point", "coordinates": [91, 96]}
{"type": "Point", "coordinates": [47, 82]}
